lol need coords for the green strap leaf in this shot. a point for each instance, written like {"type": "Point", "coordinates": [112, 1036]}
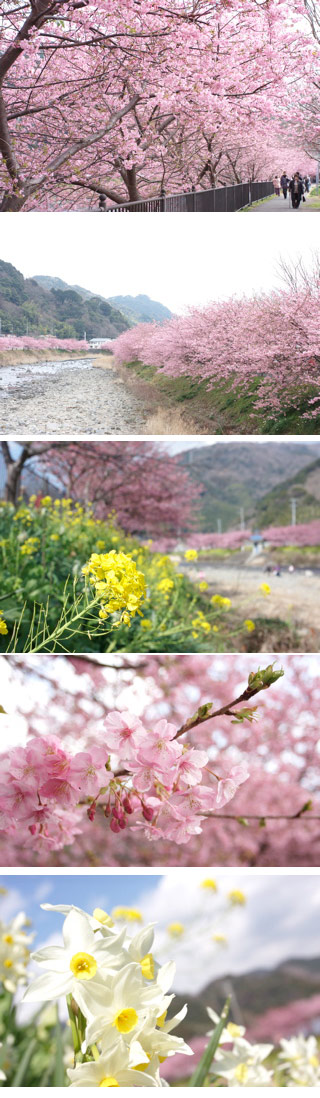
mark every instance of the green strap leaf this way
{"type": "Point", "coordinates": [59, 1078]}
{"type": "Point", "coordinates": [24, 1063]}
{"type": "Point", "coordinates": [200, 1074]}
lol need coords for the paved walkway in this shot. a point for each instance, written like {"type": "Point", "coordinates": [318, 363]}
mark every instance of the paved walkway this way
{"type": "Point", "coordinates": [271, 205]}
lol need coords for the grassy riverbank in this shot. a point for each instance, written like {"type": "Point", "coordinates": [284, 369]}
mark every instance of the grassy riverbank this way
{"type": "Point", "coordinates": [222, 409]}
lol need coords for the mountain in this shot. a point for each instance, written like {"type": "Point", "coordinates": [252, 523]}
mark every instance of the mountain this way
{"type": "Point", "coordinates": [137, 310]}
{"type": "Point", "coordinates": [141, 309]}
{"type": "Point", "coordinates": [26, 306]}
{"type": "Point", "coordinates": [51, 283]}
{"type": "Point", "coordinates": [254, 993]}
{"type": "Point", "coordinates": [258, 477]}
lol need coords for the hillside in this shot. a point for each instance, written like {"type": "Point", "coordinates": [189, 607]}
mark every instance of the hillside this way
{"type": "Point", "coordinates": [275, 508]}
{"type": "Point", "coordinates": [254, 992]}
{"type": "Point", "coordinates": [141, 309]}
{"type": "Point", "coordinates": [27, 307]}
{"type": "Point", "coordinates": [256, 477]}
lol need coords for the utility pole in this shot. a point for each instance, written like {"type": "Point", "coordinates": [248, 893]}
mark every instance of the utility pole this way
{"type": "Point", "coordinates": [219, 526]}
{"type": "Point", "coordinates": [293, 502]}
{"type": "Point", "coordinates": [242, 526]}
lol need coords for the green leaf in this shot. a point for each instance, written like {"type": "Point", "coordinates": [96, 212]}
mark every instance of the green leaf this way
{"type": "Point", "coordinates": [59, 1079]}
{"type": "Point", "coordinates": [24, 1064]}
{"type": "Point", "coordinates": [305, 808]}
{"type": "Point", "coordinates": [201, 1072]}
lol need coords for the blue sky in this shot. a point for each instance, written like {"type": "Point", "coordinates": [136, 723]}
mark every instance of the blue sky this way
{"type": "Point", "coordinates": [97, 891]}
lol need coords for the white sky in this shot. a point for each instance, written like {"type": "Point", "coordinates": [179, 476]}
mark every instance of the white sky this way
{"type": "Point", "coordinates": [177, 259]}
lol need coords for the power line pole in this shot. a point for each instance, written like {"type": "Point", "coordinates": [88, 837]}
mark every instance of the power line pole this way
{"type": "Point", "coordinates": [219, 526]}
{"type": "Point", "coordinates": [293, 502]}
{"type": "Point", "coordinates": [242, 526]}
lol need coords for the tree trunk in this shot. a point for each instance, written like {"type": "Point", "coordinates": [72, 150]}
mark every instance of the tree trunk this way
{"type": "Point", "coordinates": [12, 203]}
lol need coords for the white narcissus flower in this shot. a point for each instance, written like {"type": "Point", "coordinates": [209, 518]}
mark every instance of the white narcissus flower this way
{"type": "Point", "coordinates": [152, 1042]}
{"type": "Point", "coordinates": [139, 950]}
{"type": "Point", "coordinates": [122, 993]}
{"type": "Point", "coordinates": [301, 1058]}
{"type": "Point", "coordinates": [80, 967]}
{"type": "Point", "coordinates": [229, 1033]}
{"type": "Point", "coordinates": [243, 1066]}
{"type": "Point", "coordinates": [14, 953]}
{"type": "Point", "coordinates": [111, 1070]}
{"type": "Point", "coordinates": [127, 1002]}
{"type": "Point", "coordinates": [98, 920]}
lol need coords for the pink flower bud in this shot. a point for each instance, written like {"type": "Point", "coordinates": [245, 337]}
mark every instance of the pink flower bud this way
{"type": "Point", "coordinates": [115, 827]}
{"type": "Point", "coordinates": [92, 811]}
{"type": "Point", "coordinates": [147, 813]}
{"type": "Point", "coordinates": [117, 811]}
{"type": "Point", "coordinates": [126, 804]}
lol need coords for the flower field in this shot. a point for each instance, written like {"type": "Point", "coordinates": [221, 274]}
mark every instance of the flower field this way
{"type": "Point", "coordinates": [73, 582]}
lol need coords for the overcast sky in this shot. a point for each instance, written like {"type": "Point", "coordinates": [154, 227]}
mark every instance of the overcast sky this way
{"type": "Point", "coordinates": [179, 260]}
{"type": "Point", "coordinates": [279, 921]}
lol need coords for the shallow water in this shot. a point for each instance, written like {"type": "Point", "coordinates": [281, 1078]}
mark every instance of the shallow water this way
{"type": "Point", "coordinates": [11, 377]}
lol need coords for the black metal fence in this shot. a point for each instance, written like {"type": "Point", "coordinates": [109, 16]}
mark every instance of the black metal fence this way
{"type": "Point", "coordinates": [217, 200]}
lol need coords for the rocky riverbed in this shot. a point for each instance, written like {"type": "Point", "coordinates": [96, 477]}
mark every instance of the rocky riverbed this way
{"type": "Point", "coordinates": [68, 397]}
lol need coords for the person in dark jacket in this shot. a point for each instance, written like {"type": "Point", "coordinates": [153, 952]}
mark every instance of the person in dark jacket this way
{"type": "Point", "coordinates": [296, 189]}
{"type": "Point", "coordinates": [284, 183]}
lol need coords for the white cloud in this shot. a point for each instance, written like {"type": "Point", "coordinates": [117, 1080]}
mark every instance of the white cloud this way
{"type": "Point", "coordinates": [280, 920]}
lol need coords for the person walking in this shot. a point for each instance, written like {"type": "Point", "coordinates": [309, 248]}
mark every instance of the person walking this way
{"type": "Point", "coordinates": [276, 184]}
{"type": "Point", "coordinates": [284, 183]}
{"type": "Point", "coordinates": [307, 183]}
{"type": "Point", "coordinates": [296, 189]}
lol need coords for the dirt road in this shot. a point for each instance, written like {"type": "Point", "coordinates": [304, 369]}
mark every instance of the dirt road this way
{"type": "Point", "coordinates": [294, 598]}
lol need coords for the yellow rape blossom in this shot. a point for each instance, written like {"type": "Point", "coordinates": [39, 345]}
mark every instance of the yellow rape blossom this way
{"type": "Point", "coordinates": [191, 554]}
{"type": "Point", "coordinates": [117, 582]}
{"type": "Point", "coordinates": [265, 589]}
{"type": "Point", "coordinates": [219, 600]}
{"type": "Point", "coordinates": [3, 625]}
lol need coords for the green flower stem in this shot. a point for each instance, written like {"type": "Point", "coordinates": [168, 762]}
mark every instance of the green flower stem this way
{"type": "Point", "coordinates": [200, 1074]}
{"type": "Point", "coordinates": [58, 631]}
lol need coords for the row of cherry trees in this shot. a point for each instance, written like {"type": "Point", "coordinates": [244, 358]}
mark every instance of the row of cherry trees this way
{"type": "Point", "coordinates": [273, 818]}
{"type": "Point", "coordinates": [275, 336]}
{"type": "Point", "coordinates": [122, 100]}
{"type": "Point", "coordinates": [42, 343]}
{"type": "Point", "coordinates": [303, 534]}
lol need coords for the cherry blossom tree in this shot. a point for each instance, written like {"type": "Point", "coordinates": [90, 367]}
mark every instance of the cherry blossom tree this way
{"type": "Point", "coordinates": [97, 99]}
{"type": "Point", "coordinates": [275, 337]}
{"type": "Point", "coordinates": [147, 490]}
